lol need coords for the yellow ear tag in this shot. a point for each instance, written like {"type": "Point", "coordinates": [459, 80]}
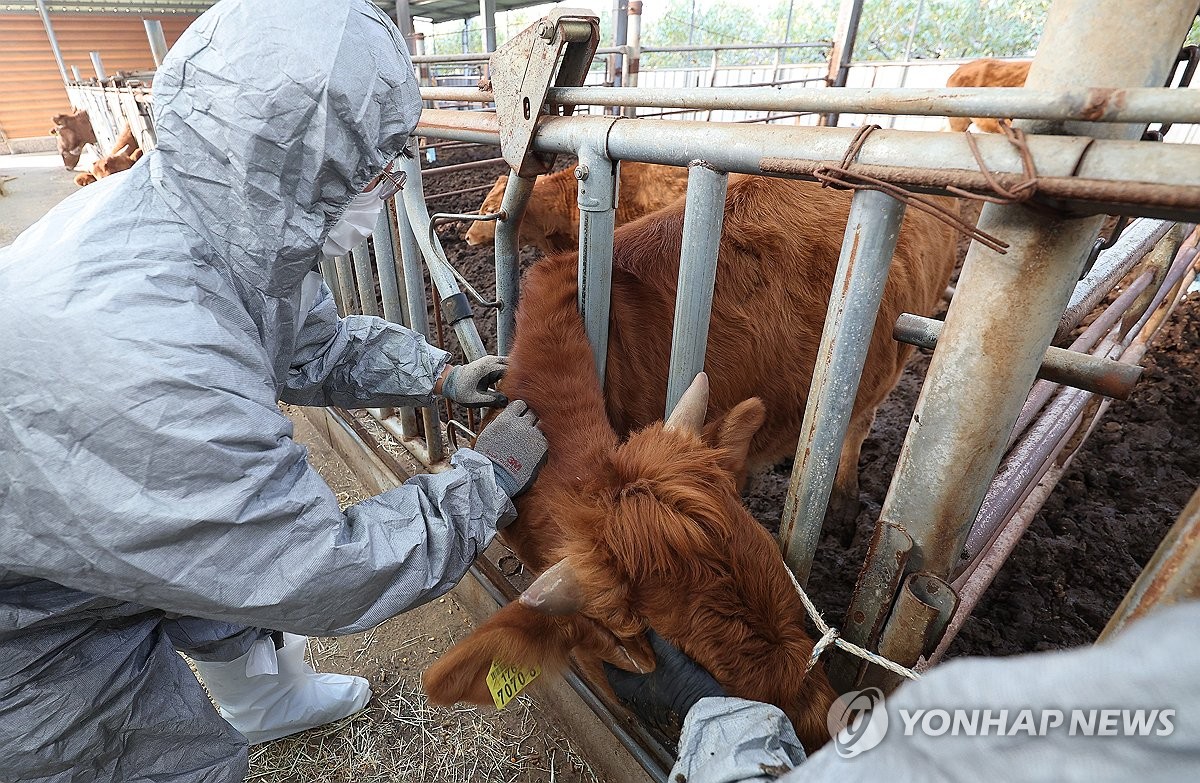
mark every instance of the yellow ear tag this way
{"type": "Point", "coordinates": [505, 682]}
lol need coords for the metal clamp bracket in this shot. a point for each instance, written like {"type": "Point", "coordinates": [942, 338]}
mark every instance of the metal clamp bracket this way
{"type": "Point", "coordinates": [558, 47]}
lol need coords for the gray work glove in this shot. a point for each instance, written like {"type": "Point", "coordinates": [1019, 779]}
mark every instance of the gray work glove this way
{"type": "Point", "coordinates": [516, 447]}
{"type": "Point", "coordinates": [673, 688]}
{"type": "Point", "coordinates": [470, 384]}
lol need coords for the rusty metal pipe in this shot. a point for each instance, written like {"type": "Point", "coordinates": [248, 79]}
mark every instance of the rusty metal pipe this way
{"type": "Point", "coordinates": [1059, 365]}
{"type": "Point", "coordinates": [1139, 237]}
{"type": "Point", "coordinates": [877, 584]}
{"type": "Point", "coordinates": [438, 171]}
{"type": "Point", "coordinates": [1100, 175]}
{"type": "Point", "coordinates": [922, 612]}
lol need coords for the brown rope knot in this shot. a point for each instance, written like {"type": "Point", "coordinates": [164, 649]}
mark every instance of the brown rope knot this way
{"type": "Point", "coordinates": [840, 176]}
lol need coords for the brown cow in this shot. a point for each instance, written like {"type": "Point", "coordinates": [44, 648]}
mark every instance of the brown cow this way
{"type": "Point", "coordinates": [73, 131]}
{"type": "Point", "coordinates": [986, 73]}
{"type": "Point", "coordinates": [551, 220]}
{"type": "Point", "coordinates": [124, 154]}
{"type": "Point", "coordinates": [652, 530]}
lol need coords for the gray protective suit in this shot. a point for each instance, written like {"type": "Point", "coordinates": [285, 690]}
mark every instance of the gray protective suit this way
{"type": "Point", "coordinates": [1150, 666]}
{"type": "Point", "coordinates": [148, 324]}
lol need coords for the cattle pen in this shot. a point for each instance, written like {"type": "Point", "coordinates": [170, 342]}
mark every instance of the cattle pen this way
{"type": "Point", "coordinates": [1048, 322]}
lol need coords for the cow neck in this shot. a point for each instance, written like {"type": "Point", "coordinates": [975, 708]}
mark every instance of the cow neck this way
{"type": "Point", "coordinates": [552, 369]}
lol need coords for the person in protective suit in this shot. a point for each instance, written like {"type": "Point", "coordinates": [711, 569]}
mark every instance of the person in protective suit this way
{"type": "Point", "coordinates": [1151, 666]}
{"type": "Point", "coordinates": [152, 499]}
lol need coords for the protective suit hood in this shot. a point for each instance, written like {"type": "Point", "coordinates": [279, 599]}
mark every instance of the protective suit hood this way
{"type": "Point", "coordinates": [263, 139]}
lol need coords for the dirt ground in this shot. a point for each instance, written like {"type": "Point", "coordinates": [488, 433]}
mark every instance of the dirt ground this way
{"type": "Point", "coordinates": [1086, 546]}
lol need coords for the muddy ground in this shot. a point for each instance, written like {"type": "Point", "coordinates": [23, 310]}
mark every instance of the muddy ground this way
{"type": "Point", "coordinates": [1086, 546]}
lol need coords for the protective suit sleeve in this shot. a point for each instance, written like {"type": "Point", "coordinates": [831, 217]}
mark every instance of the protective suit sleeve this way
{"type": "Point", "coordinates": [359, 361]}
{"type": "Point", "coordinates": [1125, 710]}
{"type": "Point", "coordinates": [211, 510]}
{"type": "Point", "coordinates": [727, 740]}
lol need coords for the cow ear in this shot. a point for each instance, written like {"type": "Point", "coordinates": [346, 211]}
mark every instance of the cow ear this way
{"type": "Point", "coordinates": [734, 432]}
{"type": "Point", "coordinates": [513, 636]}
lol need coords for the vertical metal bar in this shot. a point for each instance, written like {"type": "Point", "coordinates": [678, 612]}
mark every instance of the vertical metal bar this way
{"type": "Point", "coordinates": [444, 283]}
{"type": "Point", "coordinates": [364, 275]}
{"type": "Point", "coordinates": [345, 277]}
{"type": "Point", "coordinates": [414, 287]}
{"type": "Point", "coordinates": [98, 65]}
{"type": "Point", "coordinates": [862, 272]}
{"type": "Point", "coordinates": [158, 41]}
{"type": "Point", "coordinates": [58, 58]}
{"type": "Point", "coordinates": [597, 176]}
{"type": "Point", "coordinates": [407, 415]}
{"type": "Point", "coordinates": [405, 23]}
{"type": "Point", "coordinates": [620, 36]}
{"type": "Point", "coordinates": [702, 223]}
{"type": "Point", "coordinates": [329, 272]}
{"type": "Point", "coordinates": [385, 267]}
{"type": "Point", "coordinates": [633, 65]}
{"type": "Point", "coordinates": [508, 266]}
{"type": "Point", "coordinates": [984, 367]}
{"type": "Point", "coordinates": [844, 37]}
{"type": "Point", "coordinates": [487, 14]}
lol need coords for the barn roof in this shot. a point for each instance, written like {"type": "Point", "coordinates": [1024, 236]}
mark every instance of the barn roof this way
{"type": "Point", "coordinates": [437, 10]}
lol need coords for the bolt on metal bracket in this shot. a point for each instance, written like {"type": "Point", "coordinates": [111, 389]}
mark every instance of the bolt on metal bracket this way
{"type": "Point", "coordinates": [557, 51]}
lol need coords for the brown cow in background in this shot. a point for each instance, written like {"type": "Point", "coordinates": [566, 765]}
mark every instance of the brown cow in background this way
{"type": "Point", "coordinates": [986, 73]}
{"type": "Point", "coordinates": [73, 131]}
{"type": "Point", "coordinates": [643, 522]}
{"type": "Point", "coordinates": [124, 154]}
{"type": "Point", "coordinates": [551, 221]}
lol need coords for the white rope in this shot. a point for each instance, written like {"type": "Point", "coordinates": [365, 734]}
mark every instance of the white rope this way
{"type": "Point", "coordinates": [832, 637]}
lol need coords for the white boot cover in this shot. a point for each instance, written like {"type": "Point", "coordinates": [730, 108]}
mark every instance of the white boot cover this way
{"type": "Point", "coordinates": [265, 707]}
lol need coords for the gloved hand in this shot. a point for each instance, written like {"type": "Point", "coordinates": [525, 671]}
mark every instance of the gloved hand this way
{"type": "Point", "coordinates": [674, 687]}
{"type": "Point", "coordinates": [468, 384]}
{"type": "Point", "coordinates": [516, 447]}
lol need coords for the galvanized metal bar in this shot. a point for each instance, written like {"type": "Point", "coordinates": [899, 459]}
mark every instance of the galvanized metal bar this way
{"type": "Point", "coordinates": [1172, 575]}
{"type": "Point", "coordinates": [385, 267]}
{"type": "Point", "coordinates": [702, 223]}
{"type": "Point", "coordinates": [406, 415]}
{"type": "Point", "coordinates": [508, 258]}
{"type": "Point", "coordinates": [1133, 104]}
{"type": "Point", "coordinates": [439, 171]}
{"type": "Point", "coordinates": [867, 247]}
{"type": "Point", "coordinates": [414, 289]}
{"type": "Point", "coordinates": [364, 276]}
{"type": "Point", "coordinates": [597, 175]}
{"type": "Point", "coordinates": [1111, 266]}
{"type": "Point", "coordinates": [1101, 176]}
{"type": "Point", "coordinates": [634, 58]}
{"type": "Point", "coordinates": [877, 584]}
{"type": "Point", "coordinates": [345, 278]}
{"type": "Point", "coordinates": [844, 37]}
{"type": "Point", "coordinates": [157, 40]}
{"type": "Point", "coordinates": [487, 14]}
{"type": "Point", "coordinates": [98, 65]}
{"type": "Point", "coordinates": [53, 39]}
{"type": "Point", "coordinates": [1059, 365]}
{"type": "Point", "coordinates": [440, 271]}
{"type": "Point", "coordinates": [329, 273]}
{"type": "Point", "coordinates": [981, 364]}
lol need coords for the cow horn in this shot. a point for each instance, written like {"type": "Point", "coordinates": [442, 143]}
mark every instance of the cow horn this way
{"type": "Point", "coordinates": [689, 412]}
{"type": "Point", "coordinates": [556, 591]}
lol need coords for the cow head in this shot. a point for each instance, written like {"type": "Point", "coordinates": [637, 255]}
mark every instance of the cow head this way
{"type": "Point", "coordinates": [483, 232]}
{"type": "Point", "coordinates": [657, 537]}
